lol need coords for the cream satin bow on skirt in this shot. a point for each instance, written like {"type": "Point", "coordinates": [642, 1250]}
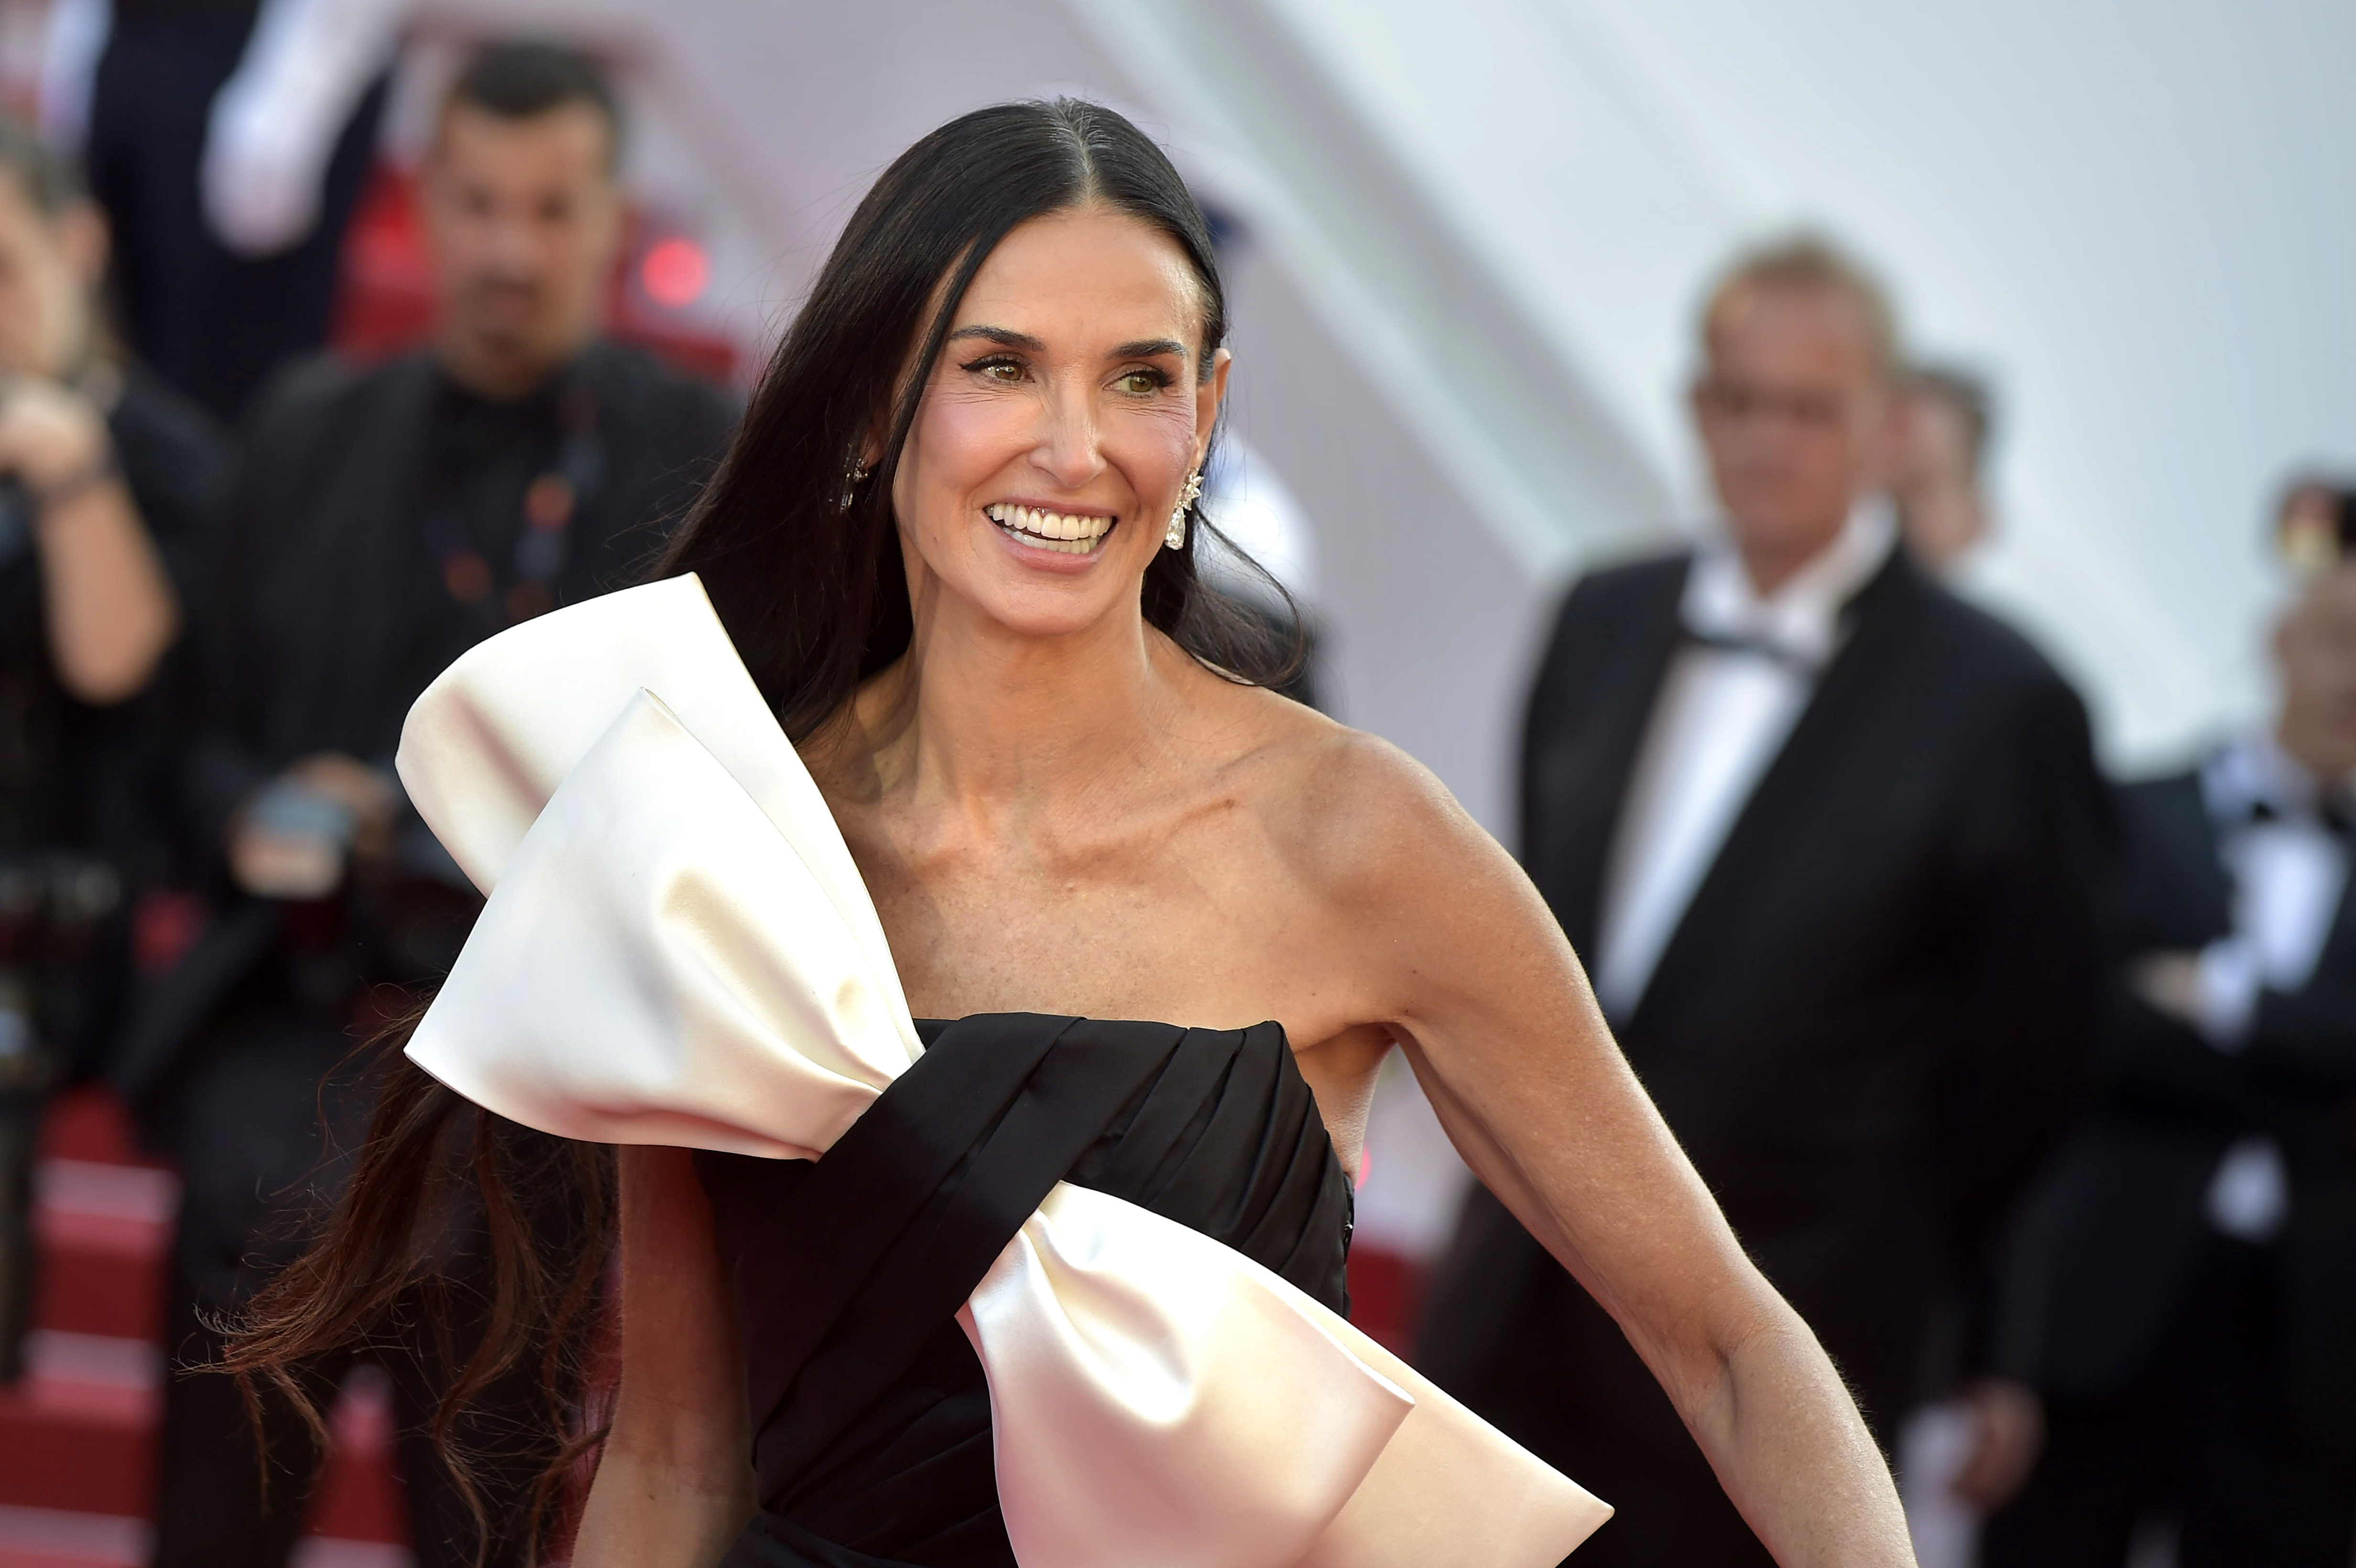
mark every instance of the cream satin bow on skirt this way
{"type": "Point", "coordinates": [678, 950]}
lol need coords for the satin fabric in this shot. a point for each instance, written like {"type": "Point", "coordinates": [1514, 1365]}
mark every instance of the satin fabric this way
{"type": "Point", "coordinates": [677, 949]}
{"type": "Point", "coordinates": [873, 1416]}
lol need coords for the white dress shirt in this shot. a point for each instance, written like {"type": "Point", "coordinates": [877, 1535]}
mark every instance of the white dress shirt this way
{"type": "Point", "coordinates": [1726, 705]}
{"type": "Point", "coordinates": [2289, 870]}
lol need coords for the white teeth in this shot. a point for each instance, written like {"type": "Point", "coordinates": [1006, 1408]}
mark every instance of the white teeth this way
{"type": "Point", "coordinates": [1067, 533]}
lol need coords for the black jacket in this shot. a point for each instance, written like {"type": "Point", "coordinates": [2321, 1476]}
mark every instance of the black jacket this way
{"type": "Point", "coordinates": [1865, 1030]}
{"type": "Point", "coordinates": [2110, 1242]}
{"type": "Point", "coordinates": [74, 775]}
{"type": "Point", "coordinates": [308, 634]}
{"type": "Point", "coordinates": [84, 784]}
{"type": "Point", "coordinates": [325, 618]}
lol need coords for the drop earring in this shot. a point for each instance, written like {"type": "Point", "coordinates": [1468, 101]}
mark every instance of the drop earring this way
{"type": "Point", "coordinates": [852, 478]}
{"type": "Point", "coordinates": [1174, 535]}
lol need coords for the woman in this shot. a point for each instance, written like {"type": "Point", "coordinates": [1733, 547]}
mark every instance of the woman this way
{"type": "Point", "coordinates": [954, 546]}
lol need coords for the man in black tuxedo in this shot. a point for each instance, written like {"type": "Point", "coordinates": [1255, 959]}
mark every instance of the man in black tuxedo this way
{"type": "Point", "coordinates": [2182, 1292]}
{"type": "Point", "coordinates": [383, 520]}
{"type": "Point", "coordinates": [1828, 840]}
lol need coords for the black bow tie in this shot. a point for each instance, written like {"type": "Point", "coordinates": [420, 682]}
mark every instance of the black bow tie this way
{"type": "Point", "coordinates": [1758, 647]}
{"type": "Point", "coordinates": [2336, 814]}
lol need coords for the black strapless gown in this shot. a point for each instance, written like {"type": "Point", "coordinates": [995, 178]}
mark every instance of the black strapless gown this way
{"type": "Point", "coordinates": [871, 1416]}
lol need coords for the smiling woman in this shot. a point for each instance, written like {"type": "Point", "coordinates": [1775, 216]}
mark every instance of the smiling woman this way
{"type": "Point", "coordinates": [942, 266]}
{"type": "Point", "coordinates": [1063, 1291]}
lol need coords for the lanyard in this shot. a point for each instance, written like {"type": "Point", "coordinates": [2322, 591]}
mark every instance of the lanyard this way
{"type": "Point", "coordinates": [553, 501]}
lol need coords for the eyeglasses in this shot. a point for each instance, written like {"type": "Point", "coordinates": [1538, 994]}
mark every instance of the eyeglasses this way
{"type": "Point", "coordinates": [1735, 400]}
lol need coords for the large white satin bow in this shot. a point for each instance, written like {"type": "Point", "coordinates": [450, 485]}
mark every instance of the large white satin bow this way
{"type": "Point", "coordinates": [677, 949]}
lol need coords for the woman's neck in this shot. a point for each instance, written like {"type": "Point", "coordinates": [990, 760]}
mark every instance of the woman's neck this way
{"type": "Point", "coordinates": [978, 717]}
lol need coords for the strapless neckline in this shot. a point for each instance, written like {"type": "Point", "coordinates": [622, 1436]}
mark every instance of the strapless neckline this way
{"type": "Point", "coordinates": [930, 1029]}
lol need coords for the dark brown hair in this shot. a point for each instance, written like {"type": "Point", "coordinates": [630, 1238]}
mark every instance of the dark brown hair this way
{"type": "Point", "coordinates": [525, 79]}
{"type": "Point", "coordinates": [813, 592]}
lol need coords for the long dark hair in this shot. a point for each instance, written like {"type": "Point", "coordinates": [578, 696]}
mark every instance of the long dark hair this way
{"type": "Point", "coordinates": [814, 594]}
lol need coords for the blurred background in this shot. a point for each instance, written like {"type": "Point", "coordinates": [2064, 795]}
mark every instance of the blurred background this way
{"type": "Point", "coordinates": [1465, 247]}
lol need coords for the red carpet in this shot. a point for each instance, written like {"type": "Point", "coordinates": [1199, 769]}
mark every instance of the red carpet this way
{"type": "Point", "coordinates": [76, 1452]}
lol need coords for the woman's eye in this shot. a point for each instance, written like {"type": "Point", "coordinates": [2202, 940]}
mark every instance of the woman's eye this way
{"type": "Point", "coordinates": [1141, 383]}
{"type": "Point", "coordinates": [1007, 370]}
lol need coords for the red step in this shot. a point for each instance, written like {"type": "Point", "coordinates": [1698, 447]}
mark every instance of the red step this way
{"type": "Point", "coordinates": [77, 1432]}
{"type": "Point", "coordinates": [103, 1231]}
{"type": "Point", "coordinates": [91, 1124]}
{"type": "Point", "coordinates": [1385, 1297]}
{"type": "Point", "coordinates": [51, 1537]}
{"type": "Point", "coordinates": [57, 1537]}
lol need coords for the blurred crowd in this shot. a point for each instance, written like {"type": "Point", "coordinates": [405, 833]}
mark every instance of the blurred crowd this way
{"type": "Point", "coordinates": [2034, 1090]}
{"type": "Point", "coordinates": [229, 562]}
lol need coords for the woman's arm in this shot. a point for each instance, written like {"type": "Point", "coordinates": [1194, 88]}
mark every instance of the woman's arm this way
{"type": "Point", "coordinates": [1474, 976]}
{"type": "Point", "coordinates": [675, 1484]}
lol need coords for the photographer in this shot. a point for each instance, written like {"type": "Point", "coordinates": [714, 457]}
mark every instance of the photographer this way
{"type": "Point", "coordinates": [384, 518]}
{"type": "Point", "coordinates": [105, 479]}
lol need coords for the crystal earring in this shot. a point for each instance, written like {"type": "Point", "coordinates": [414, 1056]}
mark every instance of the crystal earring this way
{"type": "Point", "coordinates": [1174, 535]}
{"type": "Point", "coordinates": [852, 478]}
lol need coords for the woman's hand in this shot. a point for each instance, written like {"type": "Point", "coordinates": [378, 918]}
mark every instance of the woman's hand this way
{"type": "Point", "coordinates": [674, 1486]}
{"type": "Point", "coordinates": [292, 837]}
{"type": "Point", "coordinates": [49, 435]}
{"type": "Point", "coordinates": [2007, 1433]}
{"type": "Point", "coordinates": [1465, 964]}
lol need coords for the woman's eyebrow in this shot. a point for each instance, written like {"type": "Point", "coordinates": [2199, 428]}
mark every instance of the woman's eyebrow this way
{"type": "Point", "coordinates": [1005, 338]}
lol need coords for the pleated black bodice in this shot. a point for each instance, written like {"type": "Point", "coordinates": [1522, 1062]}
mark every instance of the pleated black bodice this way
{"type": "Point", "coordinates": [871, 1416]}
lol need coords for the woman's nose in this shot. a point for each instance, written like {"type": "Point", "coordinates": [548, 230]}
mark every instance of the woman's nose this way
{"type": "Point", "coordinates": [1068, 449]}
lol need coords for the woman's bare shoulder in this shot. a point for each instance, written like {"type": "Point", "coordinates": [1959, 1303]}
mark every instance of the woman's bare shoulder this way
{"type": "Point", "coordinates": [1353, 815]}
{"type": "Point", "coordinates": [1419, 916]}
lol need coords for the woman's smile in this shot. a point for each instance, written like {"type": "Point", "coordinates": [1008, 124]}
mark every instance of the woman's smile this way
{"type": "Point", "coordinates": [1063, 533]}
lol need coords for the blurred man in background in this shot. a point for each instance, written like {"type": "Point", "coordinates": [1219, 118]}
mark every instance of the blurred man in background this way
{"type": "Point", "coordinates": [1828, 840]}
{"type": "Point", "coordinates": [382, 522]}
{"type": "Point", "coordinates": [2183, 1293]}
{"type": "Point", "coordinates": [1938, 479]}
{"type": "Point", "coordinates": [105, 478]}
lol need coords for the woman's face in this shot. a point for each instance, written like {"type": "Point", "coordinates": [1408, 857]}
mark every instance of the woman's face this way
{"type": "Point", "coordinates": [1059, 425]}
